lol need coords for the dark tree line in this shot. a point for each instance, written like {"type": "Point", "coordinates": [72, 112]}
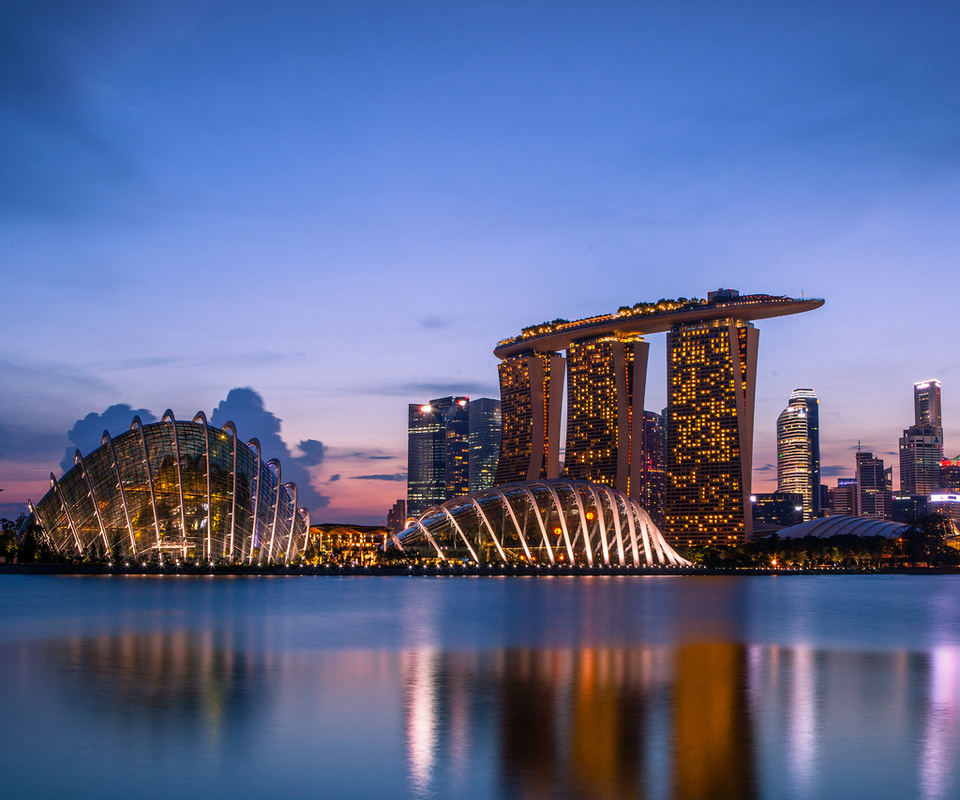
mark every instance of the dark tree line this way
{"type": "Point", "coordinates": [929, 541]}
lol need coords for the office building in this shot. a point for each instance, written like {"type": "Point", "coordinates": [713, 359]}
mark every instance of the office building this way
{"type": "Point", "coordinates": [798, 450]}
{"type": "Point", "coordinates": [921, 452]}
{"type": "Point", "coordinates": [484, 442]}
{"type": "Point", "coordinates": [843, 499]}
{"type": "Point", "coordinates": [906, 508]}
{"type": "Point", "coordinates": [397, 515]}
{"type": "Point", "coordinates": [874, 487]}
{"type": "Point", "coordinates": [452, 447]}
{"type": "Point", "coordinates": [950, 476]}
{"type": "Point", "coordinates": [653, 472]}
{"type": "Point", "coordinates": [436, 452]}
{"type": "Point", "coordinates": [926, 406]}
{"type": "Point", "coordinates": [776, 510]}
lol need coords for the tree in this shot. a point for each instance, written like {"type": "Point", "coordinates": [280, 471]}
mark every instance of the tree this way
{"type": "Point", "coordinates": [925, 541]}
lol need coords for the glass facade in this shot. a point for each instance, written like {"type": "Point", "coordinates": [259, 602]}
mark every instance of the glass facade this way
{"type": "Point", "coordinates": [484, 442]}
{"type": "Point", "coordinates": [798, 450]}
{"type": "Point", "coordinates": [546, 522]}
{"type": "Point", "coordinates": [654, 471]}
{"type": "Point", "coordinates": [174, 490]}
{"type": "Point", "coordinates": [437, 452]}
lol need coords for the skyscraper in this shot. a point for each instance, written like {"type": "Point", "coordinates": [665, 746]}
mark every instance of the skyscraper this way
{"type": "Point", "coordinates": [798, 450]}
{"type": "Point", "coordinates": [436, 452]}
{"type": "Point", "coordinates": [711, 386]}
{"type": "Point", "coordinates": [531, 398]}
{"type": "Point", "coordinates": [921, 446]}
{"type": "Point", "coordinates": [452, 448]}
{"type": "Point", "coordinates": [484, 442]}
{"type": "Point", "coordinates": [605, 388]}
{"type": "Point", "coordinates": [874, 487]}
{"type": "Point", "coordinates": [921, 452]}
{"type": "Point", "coordinates": [926, 406]}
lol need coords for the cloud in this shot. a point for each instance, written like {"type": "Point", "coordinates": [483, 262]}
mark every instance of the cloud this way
{"type": "Point", "coordinates": [313, 452]}
{"type": "Point", "coordinates": [835, 470]}
{"type": "Point", "coordinates": [87, 433]}
{"type": "Point", "coordinates": [245, 408]}
{"type": "Point", "coordinates": [398, 476]}
{"type": "Point", "coordinates": [372, 455]}
{"type": "Point", "coordinates": [766, 468]}
{"type": "Point", "coordinates": [333, 478]}
{"type": "Point", "coordinates": [433, 323]}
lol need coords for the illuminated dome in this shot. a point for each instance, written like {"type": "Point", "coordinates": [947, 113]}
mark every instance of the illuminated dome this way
{"type": "Point", "coordinates": [176, 490]}
{"type": "Point", "coordinates": [824, 527]}
{"type": "Point", "coordinates": [546, 522]}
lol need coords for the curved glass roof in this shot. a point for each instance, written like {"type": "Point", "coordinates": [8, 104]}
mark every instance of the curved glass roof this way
{"type": "Point", "coordinates": [547, 522]}
{"type": "Point", "coordinates": [824, 527]}
{"type": "Point", "coordinates": [177, 490]}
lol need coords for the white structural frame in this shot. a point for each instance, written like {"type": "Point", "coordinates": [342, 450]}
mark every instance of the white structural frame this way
{"type": "Point", "coordinates": [614, 513]}
{"type": "Point", "coordinates": [80, 526]}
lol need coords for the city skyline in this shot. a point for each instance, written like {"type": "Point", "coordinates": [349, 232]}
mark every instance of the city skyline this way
{"type": "Point", "coordinates": [345, 209]}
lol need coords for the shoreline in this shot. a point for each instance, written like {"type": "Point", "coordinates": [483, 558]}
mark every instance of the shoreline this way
{"type": "Point", "coordinates": [491, 571]}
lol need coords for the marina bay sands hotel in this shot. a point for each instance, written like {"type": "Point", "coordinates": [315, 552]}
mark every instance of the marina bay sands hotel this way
{"type": "Point", "coordinates": [711, 388]}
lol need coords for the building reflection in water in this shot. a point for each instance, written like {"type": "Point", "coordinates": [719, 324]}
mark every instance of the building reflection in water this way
{"type": "Point", "coordinates": [941, 735]}
{"type": "Point", "coordinates": [703, 720]}
{"type": "Point", "coordinates": [713, 751]}
{"type": "Point", "coordinates": [583, 723]}
{"type": "Point", "coordinates": [696, 721]}
{"type": "Point", "coordinates": [165, 679]}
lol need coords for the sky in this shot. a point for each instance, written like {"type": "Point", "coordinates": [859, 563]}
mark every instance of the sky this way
{"type": "Point", "coordinates": [309, 215]}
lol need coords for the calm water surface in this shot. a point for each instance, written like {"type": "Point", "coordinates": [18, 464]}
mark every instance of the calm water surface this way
{"type": "Point", "coordinates": [602, 687]}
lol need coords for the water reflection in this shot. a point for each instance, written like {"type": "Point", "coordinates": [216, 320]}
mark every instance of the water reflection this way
{"type": "Point", "coordinates": [475, 689]}
{"type": "Point", "coordinates": [178, 682]}
{"type": "Point", "coordinates": [705, 720]}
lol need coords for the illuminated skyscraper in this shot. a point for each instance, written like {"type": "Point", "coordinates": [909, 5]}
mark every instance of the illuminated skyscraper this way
{"type": "Point", "coordinates": [711, 386]}
{"type": "Point", "coordinates": [484, 442]}
{"type": "Point", "coordinates": [605, 388]}
{"type": "Point", "coordinates": [921, 452]}
{"type": "Point", "coordinates": [798, 450]}
{"type": "Point", "coordinates": [921, 446]}
{"type": "Point", "coordinates": [531, 397]}
{"type": "Point", "coordinates": [437, 457]}
{"type": "Point", "coordinates": [926, 407]}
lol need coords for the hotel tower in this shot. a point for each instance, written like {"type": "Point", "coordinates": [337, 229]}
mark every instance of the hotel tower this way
{"type": "Point", "coordinates": [711, 382]}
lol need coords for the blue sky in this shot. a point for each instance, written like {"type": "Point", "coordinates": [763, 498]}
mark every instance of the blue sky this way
{"type": "Point", "coordinates": [345, 206]}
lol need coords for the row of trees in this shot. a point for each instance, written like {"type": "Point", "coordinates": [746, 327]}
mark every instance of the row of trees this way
{"type": "Point", "coordinates": [929, 541]}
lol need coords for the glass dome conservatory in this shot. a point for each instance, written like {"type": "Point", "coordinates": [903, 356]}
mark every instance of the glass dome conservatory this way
{"type": "Point", "coordinates": [171, 490]}
{"type": "Point", "coordinates": [539, 522]}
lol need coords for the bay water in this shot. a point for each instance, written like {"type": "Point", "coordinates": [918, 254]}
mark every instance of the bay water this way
{"type": "Point", "coordinates": [789, 686]}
